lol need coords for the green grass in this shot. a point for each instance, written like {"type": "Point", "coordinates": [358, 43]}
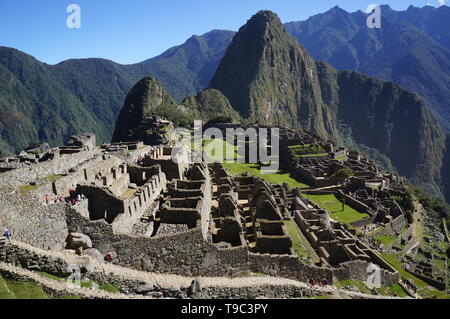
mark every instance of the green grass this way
{"type": "Point", "coordinates": [88, 284]}
{"type": "Point", "coordinates": [219, 149]}
{"type": "Point", "coordinates": [307, 149]}
{"type": "Point", "coordinates": [353, 283]}
{"type": "Point", "coordinates": [12, 289]}
{"type": "Point", "coordinates": [362, 287]}
{"type": "Point", "coordinates": [375, 231]}
{"type": "Point", "coordinates": [398, 290]}
{"type": "Point", "coordinates": [386, 239]}
{"type": "Point", "coordinates": [260, 274]}
{"type": "Point", "coordinates": [36, 152]}
{"type": "Point", "coordinates": [52, 178]}
{"type": "Point", "coordinates": [279, 177]}
{"type": "Point", "coordinates": [5, 292]}
{"type": "Point", "coordinates": [24, 189]}
{"type": "Point", "coordinates": [300, 245]}
{"type": "Point", "coordinates": [314, 155]}
{"type": "Point", "coordinates": [109, 288]}
{"type": "Point", "coordinates": [423, 288]}
{"type": "Point", "coordinates": [26, 290]}
{"type": "Point", "coordinates": [70, 297]}
{"type": "Point", "coordinates": [321, 297]}
{"type": "Point", "coordinates": [49, 276]}
{"type": "Point", "coordinates": [332, 205]}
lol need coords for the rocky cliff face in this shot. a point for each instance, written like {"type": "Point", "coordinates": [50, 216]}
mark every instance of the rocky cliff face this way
{"type": "Point", "coordinates": [270, 78]}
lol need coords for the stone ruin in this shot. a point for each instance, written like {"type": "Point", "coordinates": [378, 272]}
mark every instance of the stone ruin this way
{"type": "Point", "coordinates": [153, 211]}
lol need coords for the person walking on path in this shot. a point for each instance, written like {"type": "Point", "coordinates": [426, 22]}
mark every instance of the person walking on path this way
{"type": "Point", "coordinates": [7, 234]}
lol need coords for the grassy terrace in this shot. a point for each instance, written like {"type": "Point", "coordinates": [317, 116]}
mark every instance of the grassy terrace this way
{"type": "Point", "coordinates": [423, 288]}
{"type": "Point", "coordinates": [11, 289]}
{"type": "Point", "coordinates": [332, 205]}
{"type": "Point", "coordinates": [300, 244]}
{"type": "Point", "coordinates": [386, 239]}
{"type": "Point", "coordinates": [88, 284]}
{"type": "Point", "coordinates": [384, 291]}
{"type": "Point", "coordinates": [307, 151]}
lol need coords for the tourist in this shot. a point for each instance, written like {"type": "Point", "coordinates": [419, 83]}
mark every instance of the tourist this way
{"type": "Point", "coordinates": [7, 234]}
{"type": "Point", "coordinates": [79, 198]}
{"type": "Point", "coordinates": [46, 199]}
{"type": "Point", "coordinates": [109, 258]}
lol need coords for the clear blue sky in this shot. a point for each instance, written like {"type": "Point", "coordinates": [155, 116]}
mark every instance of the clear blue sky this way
{"type": "Point", "coordinates": [129, 31]}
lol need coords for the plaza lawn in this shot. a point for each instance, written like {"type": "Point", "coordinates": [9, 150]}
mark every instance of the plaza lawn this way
{"type": "Point", "coordinates": [221, 150]}
{"type": "Point", "coordinates": [278, 177]}
{"type": "Point", "coordinates": [333, 206]}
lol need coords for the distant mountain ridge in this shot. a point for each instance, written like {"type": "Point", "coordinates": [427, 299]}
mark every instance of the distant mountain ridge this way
{"type": "Point", "coordinates": [52, 102]}
{"type": "Point", "coordinates": [412, 48]}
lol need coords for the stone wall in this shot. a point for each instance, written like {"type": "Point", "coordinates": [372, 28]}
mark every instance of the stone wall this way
{"type": "Point", "coordinates": [358, 270]}
{"type": "Point", "coordinates": [59, 165]}
{"type": "Point", "coordinates": [288, 266]}
{"type": "Point", "coordinates": [25, 258]}
{"type": "Point", "coordinates": [184, 253]}
{"type": "Point", "coordinates": [354, 203]}
{"type": "Point", "coordinates": [43, 226]}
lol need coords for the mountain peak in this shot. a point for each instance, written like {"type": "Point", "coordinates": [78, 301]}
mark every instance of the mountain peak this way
{"type": "Point", "coordinates": [267, 14]}
{"type": "Point", "coordinates": [268, 61]}
{"type": "Point", "coordinates": [263, 20]}
{"type": "Point", "coordinates": [337, 9]}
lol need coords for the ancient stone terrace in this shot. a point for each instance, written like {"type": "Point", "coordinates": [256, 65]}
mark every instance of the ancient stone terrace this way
{"type": "Point", "coordinates": [384, 211]}
{"type": "Point", "coordinates": [248, 213]}
{"type": "Point", "coordinates": [291, 137]}
{"type": "Point", "coordinates": [173, 162]}
{"type": "Point", "coordinates": [124, 199]}
{"type": "Point", "coordinates": [319, 171]}
{"type": "Point", "coordinates": [334, 244]}
{"type": "Point", "coordinates": [154, 212]}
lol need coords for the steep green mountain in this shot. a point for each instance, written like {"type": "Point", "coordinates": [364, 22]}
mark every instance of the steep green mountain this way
{"type": "Point", "coordinates": [270, 78]}
{"type": "Point", "coordinates": [43, 103]}
{"type": "Point", "coordinates": [100, 85]}
{"type": "Point", "coordinates": [412, 48]}
{"type": "Point", "coordinates": [187, 69]}
{"type": "Point", "coordinates": [146, 98]}
{"type": "Point", "coordinates": [34, 106]}
{"type": "Point", "coordinates": [209, 105]}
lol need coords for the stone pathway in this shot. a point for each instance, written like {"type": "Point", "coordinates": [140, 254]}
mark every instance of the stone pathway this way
{"type": "Point", "coordinates": [168, 280]}
{"type": "Point", "coordinates": [165, 281]}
